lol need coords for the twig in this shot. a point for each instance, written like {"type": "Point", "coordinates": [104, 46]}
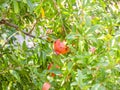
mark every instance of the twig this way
{"type": "Point", "coordinates": [34, 24]}
{"type": "Point", "coordinates": [17, 28]}
{"type": "Point", "coordinates": [5, 22]}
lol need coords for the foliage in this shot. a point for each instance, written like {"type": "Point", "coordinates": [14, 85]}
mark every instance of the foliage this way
{"type": "Point", "coordinates": [91, 29]}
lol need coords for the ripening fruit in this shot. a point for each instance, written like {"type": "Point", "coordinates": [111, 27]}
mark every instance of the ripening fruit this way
{"type": "Point", "coordinates": [60, 47]}
{"type": "Point", "coordinates": [46, 86]}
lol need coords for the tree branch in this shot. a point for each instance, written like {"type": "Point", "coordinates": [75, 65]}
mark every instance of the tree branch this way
{"type": "Point", "coordinates": [3, 21]}
{"type": "Point", "coordinates": [34, 24]}
{"type": "Point", "coordinates": [8, 24]}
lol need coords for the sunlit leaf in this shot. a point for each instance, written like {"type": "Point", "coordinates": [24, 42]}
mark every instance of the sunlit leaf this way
{"type": "Point", "coordinates": [42, 13]}
{"type": "Point", "coordinates": [16, 6]}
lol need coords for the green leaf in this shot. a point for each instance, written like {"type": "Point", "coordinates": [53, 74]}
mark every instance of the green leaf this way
{"type": "Point", "coordinates": [80, 78]}
{"type": "Point", "coordinates": [88, 21]}
{"type": "Point", "coordinates": [85, 2]}
{"type": "Point", "coordinates": [2, 1]}
{"type": "Point", "coordinates": [25, 1]}
{"type": "Point", "coordinates": [72, 36]}
{"type": "Point", "coordinates": [73, 83]}
{"type": "Point", "coordinates": [93, 28]}
{"type": "Point", "coordinates": [56, 71]}
{"type": "Point", "coordinates": [15, 74]}
{"type": "Point", "coordinates": [81, 45]}
{"type": "Point", "coordinates": [24, 46]}
{"type": "Point", "coordinates": [95, 87]}
{"type": "Point", "coordinates": [16, 6]}
{"type": "Point", "coordinates": [70, 65]}
{"type": "Point", "coordinates": [37, 10]}
{"type": "Point", "coordinates": [98, 87]}
{"type": "Point", "coordinates": [30, 4]}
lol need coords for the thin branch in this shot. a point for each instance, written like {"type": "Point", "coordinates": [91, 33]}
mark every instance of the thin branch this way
{"type": "Point", "coordinates": [34, 24]}
{"type": "Point", "coordinates": [5, 22]}
{"type": "Point", "coordinates": [17, 28]}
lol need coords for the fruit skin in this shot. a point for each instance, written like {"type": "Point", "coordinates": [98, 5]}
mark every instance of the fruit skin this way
{"type": "Point", "coordinates": [60, 47]}
{"type": "Point", "coordinates": [46, 86]}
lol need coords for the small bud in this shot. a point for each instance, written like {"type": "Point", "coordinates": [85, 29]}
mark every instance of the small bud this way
{"type": "Point", "coordinates": [92, 49]}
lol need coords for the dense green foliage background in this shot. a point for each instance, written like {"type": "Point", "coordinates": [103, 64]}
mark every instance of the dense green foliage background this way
{"type": "Point", "coordinates": [28, 29]}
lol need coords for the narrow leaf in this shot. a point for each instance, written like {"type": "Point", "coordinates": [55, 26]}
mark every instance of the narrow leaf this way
{"type": "Point", "coordinates": [15, 74]}
{"type": "Point", "coordinates": [16, 6]}
{"type": "Point", "coordinates": [42, 13]}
